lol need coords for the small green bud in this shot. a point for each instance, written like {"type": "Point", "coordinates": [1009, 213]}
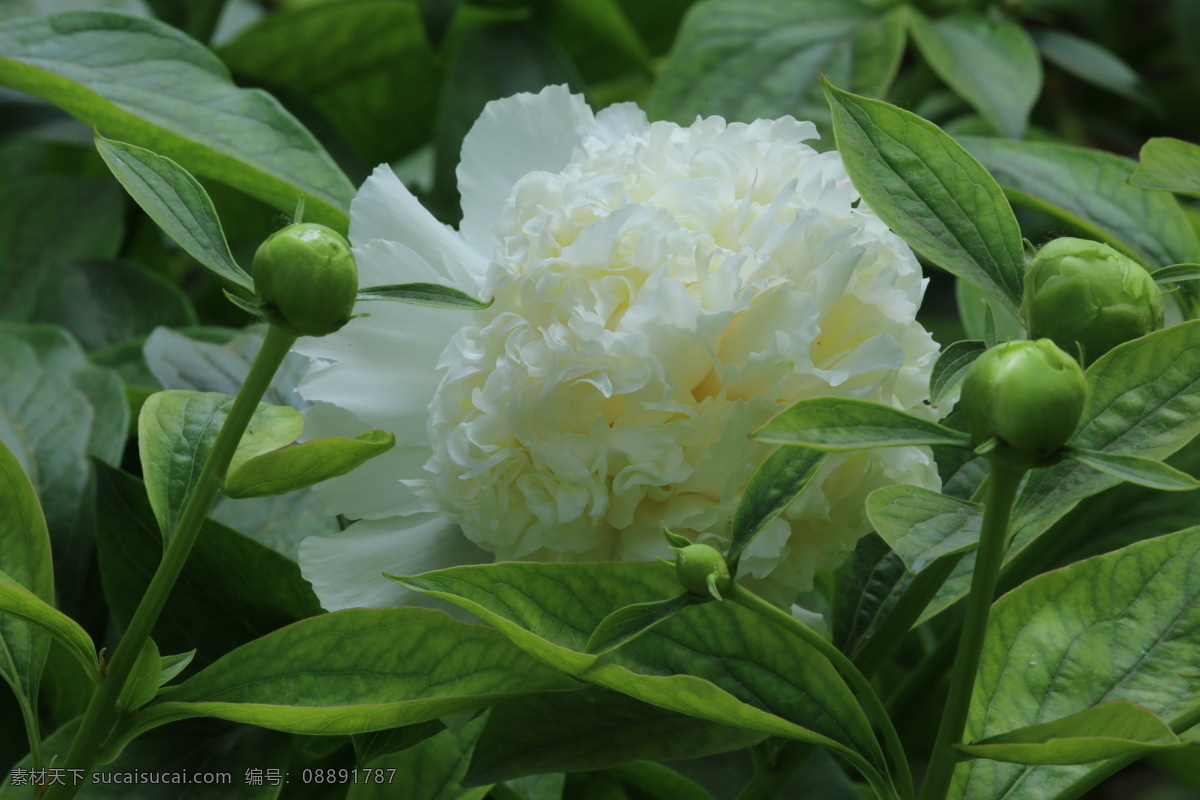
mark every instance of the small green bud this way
{"type": "Point", "coordinates": [1028, 396]}
{"type": "Point", "coordinates": [702, 570]}
{"type": "Point", "coordinates": [306, 279]}
{"type": "Point", "coordinates": [1079, 292]}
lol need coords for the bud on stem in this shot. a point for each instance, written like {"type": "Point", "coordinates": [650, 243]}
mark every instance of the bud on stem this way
{"type": "Point", "coordinates": [306, 279]}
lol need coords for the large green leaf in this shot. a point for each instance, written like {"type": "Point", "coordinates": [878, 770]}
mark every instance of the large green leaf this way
{"type": "Point", "coordinates": [771, 489]}
{"type": "Point", "coordinates": [50, 221]}
{"type": "Point", "coordinates": [358, 670]}
{"type": "Point", "coordinates": [759, 59]}
{"type": "Point", "coordinates": [102, 303]}
{"type": "Point", "coordinates": [224, 756]}
{"type": "Point", "coordinates": [232, 589]}
{"type": "Point", "coordinates": [1122, 626]}
{"type": "Point", "coordinates": [843, 423]}
{"type": "Point", "coordinates": [177, 202]}
{"type": "Point", "coordinates": [931, 192]}
{"type": "Point", "coordinates": [26, 584]}
{"type": "Point", "coordinates": [990, 62]}
{"type": "Point", "coordinates": [715, 661]}
{"type": "Point", "coordinates": [432, 770]}
{"type": "Point", "coordinates": [588, 730]}
{"type": "Point", "coordinates": [598, 38]}
{"type": "Point", "coordinates": [1091, 62]}
{"type": "Point", "coordinates": [18, 657]}
{"type": "Point", "coordinates": [56, 411]}
{"type": "Point", "coordinates": [1109, 730]}
{"type": "Point", "coordinates": [1144, 399]}
{"type": "Point", "coordinates": [1170, 164]}
{"type": "Point", "coordinates": [1088, 190]}
{"type": "Point", "coordinates": [94, 65]}
{"type": "Point", "coordinates": [367, 67]}
{"type": "Point", "coordinates": [176, 433]}
{"type": "Point", "coordinates": [922, 526]}
{"type": "Point", "coordinates": [869, 583]}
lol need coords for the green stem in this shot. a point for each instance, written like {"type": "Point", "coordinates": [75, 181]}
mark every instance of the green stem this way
{"type": "Point", "coordinates": [993, 536]}
{"type": "Point", "coordinates": [101, 710]}
{"type": "Point", "coordinates": [866, 692]}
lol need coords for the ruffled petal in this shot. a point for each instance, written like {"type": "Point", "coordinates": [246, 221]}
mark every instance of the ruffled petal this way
{"type": "Point", "coordinates": [346, 570]}
{"type": "Point", "coordinates": [385, 209]}
{"type": "Point", "coordinates": [513, 137]}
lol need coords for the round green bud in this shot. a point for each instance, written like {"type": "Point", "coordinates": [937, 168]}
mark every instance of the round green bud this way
{"type": "Point", "coordinates": [701, 569]}
{"type": "Point", "coordinates": [1028, 396]}
{"type": "Point", "coordinates": [306, 279]}
{"type": "Point", "coordinates": [1079, 292]}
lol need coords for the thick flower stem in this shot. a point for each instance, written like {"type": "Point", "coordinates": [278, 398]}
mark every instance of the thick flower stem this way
{"type": "Point", "coordinates": [101, 710]}
{"type": "Point", "coordinates": [866, 692]}
{"type": "Point", "coordinates": [1002, 491]}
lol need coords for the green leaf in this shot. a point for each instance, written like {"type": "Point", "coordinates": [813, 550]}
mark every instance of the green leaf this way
{"type": "Point", "coordinates": [186, 749]}
{"type": "Point", "coordinates": [991, 63]}
{"type": "Point", "coordinates": [432, 770]}
{"type": "Point", "coordinates": [144, 679]}
{"type": "Point", "coordinates": [983, 317]}
{"type": "Point", "coordinates": [363, 60]}
{"type": "Point", "coordinates": [279, 521]}
{"type": "Point", "coordinates": [102, 303]}
{"type": "Point", "coordinates": [868, 584]}
{"type": "Point", "coordinates": [922, 526]}
{"type": "Point", "coordinates": [750, 60]}
{"type": "Point", "coordinates": [1108, 730]}
{"type": "Point", "coordinates": [715, 661]}
{"type": "Point", "coordinates": [1088, 190]}
{"type": "Point", "coordinates": [176, 432]}
{"type": "Point", "coordinates": [355, 671]}
{"type": "Point", "coordinates": [1135, 469]}
{"type": "Point", "coordinates": [92, 64]}
{"type": "Point", "coordinates": [232, 589]}
{"type": "Point", "coordinates": [951, 367]}
{"type": "Point", "coordinates": [1176, 273]}
{"type": "Point", "coordinates": [843, 423]}
{"type": "Point", "coordinates": [50, 221]}
{"type": "Point", "coordinates": [1144, 399]}
{"type": "Point", "coordinates": [1092, 63]}
{"type": "Point", "coordinates": [470, 80]}
{"type": "Point", "coordinates": [658, 781]}
{"type": "Point", "coordinates": [627, 623]}
{"type": "Point", "coordinates": [56, 410]}
{"type": "Point", "coordinates": [423, 294]}
{"type": "Point", "coordinates": [770, 490]}
{"type": "Point", "coordinates": [597, 37]}
{"type": "Point", "coordinates": [368, 746]}
{"type": "Point", "coordinates": [18, 603]}
{"type": "Point", "coordinates": [302, 465]}
{"type": "Point", "coordinates": [177, 202]}
{"type": "Point", "coordinates": [1120, 626]}
{"type": "Point", "coordinates": [170, 666]}
{"type": "Point", "coordinates": [218, 360]}
{"type": "Point", "coordinates": [931, 192]}
{"type": "Point", "coordinates": [1170, 164]}
{"type": "Point", "coordinates": [588, 730]}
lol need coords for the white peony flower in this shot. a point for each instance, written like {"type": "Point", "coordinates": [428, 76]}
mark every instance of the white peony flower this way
{"type": "Point", "coordinates": [660, 292]}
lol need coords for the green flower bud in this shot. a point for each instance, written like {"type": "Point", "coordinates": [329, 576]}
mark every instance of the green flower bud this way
{"type": "Point", "coordinates": [306, 279]}
{"type": "Point", "coordinates": [1028, 396]}
{"type": "Point", "coordinates": [1078, 291]}
{"type": "Point", "coordinates": [702, 570]}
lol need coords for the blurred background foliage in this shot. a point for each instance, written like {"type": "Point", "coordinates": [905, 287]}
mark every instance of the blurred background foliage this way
{"type": "Point", "coordinates": [97, 305]}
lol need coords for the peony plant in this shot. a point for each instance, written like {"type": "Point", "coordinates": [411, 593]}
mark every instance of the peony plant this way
{"type": "Point", "coordinates": [644, 342]}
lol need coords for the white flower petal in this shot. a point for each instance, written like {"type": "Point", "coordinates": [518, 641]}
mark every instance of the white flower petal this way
{"type": "Point", "coordinates": [385, 209]}
{"type": "Point", "coordinates": [513, 137]}
{"type": "Point", "coordinates": [346, 570]}
{"type": "Point", "coordinates": [376, 489]}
